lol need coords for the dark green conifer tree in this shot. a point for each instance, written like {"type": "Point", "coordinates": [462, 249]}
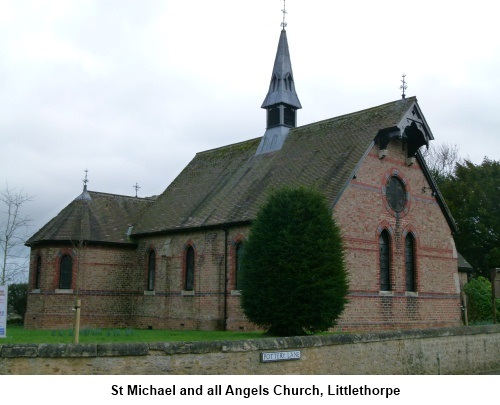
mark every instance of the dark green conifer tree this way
{"type": "Point", "coordinates": [294, 279]}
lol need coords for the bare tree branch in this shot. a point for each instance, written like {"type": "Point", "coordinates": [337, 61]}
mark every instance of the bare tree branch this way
{"type": "Point", "coordinates": [13, 233]}
{"type": "Point", "coordinates": [442, 159]}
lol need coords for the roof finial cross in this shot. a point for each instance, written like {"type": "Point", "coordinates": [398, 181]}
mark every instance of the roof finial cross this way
{"type": "Point", "coordinates": [85, 180]}
{"type": "Point", "coordinates": [136, 188]}
{"type": "Point", "coordinates": [403, 86]}
{"type": "Point", "coordinates": [284, 23]}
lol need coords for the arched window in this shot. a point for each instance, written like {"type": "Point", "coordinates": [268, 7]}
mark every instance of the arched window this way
{"type": "Point", "coordinates": [410, 262]}
{"type": "Point", "coordinates": [65, 272]}
{"type": "Point", "coordinates": [151, 270]}
{"type": "Point", "coordinates": [385, 263]}
{"type": "Point", "coordinates": [238, 255]}
{"type": "Point", "coordinates": [189, 282]}
{"type": "Point", "coordinates": [38, 271]}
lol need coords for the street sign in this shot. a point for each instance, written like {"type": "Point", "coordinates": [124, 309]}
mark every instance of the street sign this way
{"type": "Point", "coordinates": [280, 356]}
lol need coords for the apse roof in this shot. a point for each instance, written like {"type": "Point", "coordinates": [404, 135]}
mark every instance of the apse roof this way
{"type": "Point", "coordinates": [93, 216]}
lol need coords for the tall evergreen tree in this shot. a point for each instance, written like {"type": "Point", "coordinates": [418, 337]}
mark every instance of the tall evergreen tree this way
{"type": "Point", "coordinates": [473, 196]}
{"type": "Point", "coordinates": [294, 279]}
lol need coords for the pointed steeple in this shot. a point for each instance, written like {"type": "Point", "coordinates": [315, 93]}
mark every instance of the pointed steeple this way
{"type": "Point", "coordinates": [282, 86]}
{"type": "Point", "coordinates": [281, 101]}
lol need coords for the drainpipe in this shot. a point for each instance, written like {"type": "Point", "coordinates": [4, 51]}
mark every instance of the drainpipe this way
{"type": "Point", "coordinates": [224, 321]}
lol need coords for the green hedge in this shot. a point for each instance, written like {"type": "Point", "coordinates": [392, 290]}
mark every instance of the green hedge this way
{"type": "Point", "coordinates": [479, 308]}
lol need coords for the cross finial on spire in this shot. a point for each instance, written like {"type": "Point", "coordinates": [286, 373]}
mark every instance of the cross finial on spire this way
{"type": "Point", "coordinates": [136, 188]}
{"type": "Point", "coordinates": [284, 24]}
{"type": "Point", "coordinates": [403, 86]}
{"type": "Point", "coordinates": [85, 180]}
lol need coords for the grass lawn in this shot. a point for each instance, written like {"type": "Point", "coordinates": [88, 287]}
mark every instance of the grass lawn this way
{"type": "Point", "coordinates": [17, 334]}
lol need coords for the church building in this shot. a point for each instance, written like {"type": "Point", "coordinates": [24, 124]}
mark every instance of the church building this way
{"type": "Point", "coordinates": [173, 261]}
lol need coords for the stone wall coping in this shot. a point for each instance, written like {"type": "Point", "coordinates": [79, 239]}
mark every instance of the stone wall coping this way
{"type": "Point", "coordinates": [63, 350]}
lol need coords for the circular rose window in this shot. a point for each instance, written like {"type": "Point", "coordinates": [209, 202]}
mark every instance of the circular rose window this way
{"type": "Point", "coordinates": [395, 193]}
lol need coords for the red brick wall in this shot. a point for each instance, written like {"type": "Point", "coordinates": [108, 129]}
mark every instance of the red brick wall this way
{"type": "Point", "coordinates": [101, 279]}
{"type": "Point", "coordinates": [203, 308]}
{"type": "Point", "coordinates": [362, 213]}
{"type": "Point", "coordinates": [112, 282]}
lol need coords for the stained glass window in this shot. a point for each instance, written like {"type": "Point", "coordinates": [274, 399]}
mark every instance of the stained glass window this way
{"type": "Point", "coordinates": [385, 280]}
{"type": "Point", "coordinates": [189, 285]}
{"type": "Point", "coordinates": [396, 194]}
{"type": "Point", "coordinates": [410, 262]}
{"type": "Point", "coordinates": [38, 272]}
{"type": "Point", "coordinates": [65, 272]}
{"type": "Point", "coordinates": [239, 254]}
{"type": "Point", "coordinates": [151, 270]}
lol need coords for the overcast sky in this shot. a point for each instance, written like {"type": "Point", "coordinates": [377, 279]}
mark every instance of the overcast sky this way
{"type": "Point", "coordinates": [132, 90]}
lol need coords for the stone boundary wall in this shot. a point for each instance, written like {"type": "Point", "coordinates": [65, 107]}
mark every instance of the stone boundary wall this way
{"type": "Point", "coordinates": [461, 350]}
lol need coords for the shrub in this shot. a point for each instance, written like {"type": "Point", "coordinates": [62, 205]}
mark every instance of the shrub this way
{"type": "Point", "coordinates": [478, 292]}
{"type": "Point", "coordinates": [293, 272]}
{"type": "Point", "coordinates": [17, 302]}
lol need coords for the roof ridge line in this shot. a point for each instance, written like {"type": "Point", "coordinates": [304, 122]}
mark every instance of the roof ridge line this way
{"type": "Point", "coordinates": [227, 146]}
{"type": "Point", "coordinates": [122, 195]}
{"type": "Point", "coordinates": [353, 113]}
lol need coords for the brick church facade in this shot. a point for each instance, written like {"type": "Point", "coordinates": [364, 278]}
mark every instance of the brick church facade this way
{"type": "Point", "coordinates": [172, 261]}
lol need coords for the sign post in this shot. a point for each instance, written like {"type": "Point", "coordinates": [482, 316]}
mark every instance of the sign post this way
{"type": "Point", "coordinates": [3, 311]}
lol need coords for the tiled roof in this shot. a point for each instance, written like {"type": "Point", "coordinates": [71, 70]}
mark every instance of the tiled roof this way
{"type": "Point", "coordinates": [100, 217]}
{"type": "Point", "coordinates": [463, 264]}
{"type": "Point", "coordinates": [229, 184]}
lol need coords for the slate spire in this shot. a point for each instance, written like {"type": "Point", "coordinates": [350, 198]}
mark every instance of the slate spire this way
{"type": "Point", "coordinates": [281, 101]}
{"type": "Point", "coordinates": [282, 86]}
